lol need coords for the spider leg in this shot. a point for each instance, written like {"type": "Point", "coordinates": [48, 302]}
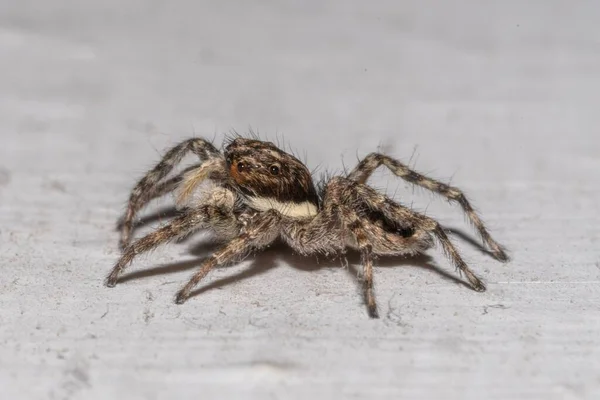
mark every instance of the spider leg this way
{"type": "Point", "coordinates": [366, 256]}
{"type": "Point", "coordinates": [451, 251]}
{"type": "Point", "coordinates": [261, 232]}
{"type": "Point", "coordinates": [353, 191]}
{"type": "Point", "coordinates": [365, 168]}
{"type": "Point", "coordinates": [192, 219]}
{"type": "Point", "coordinates": [146, 188]}
{"type": "Point", "coordinates": [159, 190]}
{"type": "Point", "coordinates": [401, 214]}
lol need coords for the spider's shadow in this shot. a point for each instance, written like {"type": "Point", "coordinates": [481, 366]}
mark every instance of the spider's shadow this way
{"type": "Point", "coordinates": [267, 259]}
{"type": "Point", "coordinates": [162, 214]}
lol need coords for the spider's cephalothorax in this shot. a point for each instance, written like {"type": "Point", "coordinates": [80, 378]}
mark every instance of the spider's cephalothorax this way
{"type": "Point", "coordinates": [260, 193]}
{"type": "Point", "coordinates": [269, 178]}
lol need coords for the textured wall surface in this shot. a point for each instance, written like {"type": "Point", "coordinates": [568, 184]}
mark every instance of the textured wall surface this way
{"type": "Point", "coordinates": [501, 98]}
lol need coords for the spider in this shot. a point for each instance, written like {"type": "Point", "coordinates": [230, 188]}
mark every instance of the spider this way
{"type": "Point", "coordinates": [258, 193]}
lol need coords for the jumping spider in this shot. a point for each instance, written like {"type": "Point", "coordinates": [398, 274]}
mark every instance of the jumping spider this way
{"type": "Point", "coordinates": [260, 193]}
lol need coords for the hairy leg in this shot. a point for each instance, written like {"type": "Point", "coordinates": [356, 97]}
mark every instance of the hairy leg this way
{"type": "Point", "coordinates": [420, 222]}
{"type": "Point", "coordinates": [366, 256]}
{"type": "Point", "coordinates": [147, 185]}
{"type": "Point", "coordinates": [453, 254]}
{"type": "Point", "coordinates": [356, 193]}
{"type": "Point", "coordinates": [260, 232]}
{"type": "Point", "coordinates": [366, 167]}
{"type": "Point", "coordinates": [192, 219]}
{"type": "Point", "coordinates": [159, 190]}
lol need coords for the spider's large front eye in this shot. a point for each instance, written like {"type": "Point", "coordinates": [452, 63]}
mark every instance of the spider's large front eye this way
{"type": "Point", "coordinates": [241, 167]}
{"type": "Point", "coordinates": [274, 170]}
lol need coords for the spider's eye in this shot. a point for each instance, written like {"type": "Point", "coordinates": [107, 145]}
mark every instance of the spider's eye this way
{"type": "Point", "coordinates": [241, 167]}
{"type": "Point", "coordinates": [274, 170]}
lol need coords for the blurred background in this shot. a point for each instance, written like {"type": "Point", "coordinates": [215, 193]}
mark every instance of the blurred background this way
{"type": "Point", "coordinates": [499, 98]}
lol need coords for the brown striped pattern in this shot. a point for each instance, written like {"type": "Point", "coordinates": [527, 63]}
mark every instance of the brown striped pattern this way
{"type": "Point", "coordinates": [365, 168]}
{"type": "Point", "coordinates": [184, 224]}
{"type": "Point", "coordinates": [147, 189]}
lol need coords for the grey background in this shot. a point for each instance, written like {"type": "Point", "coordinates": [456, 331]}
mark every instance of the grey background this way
{"type": "Point", "coordinates": [501, 98]}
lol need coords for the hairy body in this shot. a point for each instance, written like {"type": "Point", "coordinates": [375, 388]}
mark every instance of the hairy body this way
{"type": "Point", "coordinates": [260, 193]}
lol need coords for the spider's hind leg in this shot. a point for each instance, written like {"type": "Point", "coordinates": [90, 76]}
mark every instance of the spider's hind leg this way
{"type": "Point", "coordinates": [365, 168]}
{"type": "Point", "coordinates": [453, 254]}
{"type": "Point", "coordinates": [418, 222]}
{"type": "Point", "coordinates": [422, 223]}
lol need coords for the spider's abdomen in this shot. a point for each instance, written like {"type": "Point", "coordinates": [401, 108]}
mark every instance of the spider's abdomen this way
{"type": "Point", "coordinates": [380, 220]}
{"type": "Point", "coordinates": [392, 236]}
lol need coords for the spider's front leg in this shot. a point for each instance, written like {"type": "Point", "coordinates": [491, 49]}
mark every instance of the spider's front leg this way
{"type": "Point", "coordinates": [365, 168]}
{"type": "Point", "coordinates": [193, 219]}
{"type": "Point", "coordinates": [159, 190]}
{"type": "Point", "coordinates": [148, 187]}
{"type": "Point", "coordinates": [263, 229]}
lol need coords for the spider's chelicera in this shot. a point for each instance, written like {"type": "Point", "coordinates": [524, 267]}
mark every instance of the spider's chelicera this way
{"type": "Point", "coordinates": [259, 194]}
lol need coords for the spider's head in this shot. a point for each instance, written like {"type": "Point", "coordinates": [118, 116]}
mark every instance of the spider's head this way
{"type": "Point", "coordinates": [270, 178]}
